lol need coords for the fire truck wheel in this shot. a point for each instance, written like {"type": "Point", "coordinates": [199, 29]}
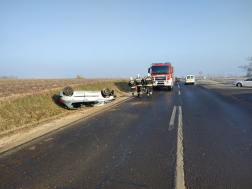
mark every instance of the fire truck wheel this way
{"type": "Point", "coordinates": [68, 91]}
{"type": "Point", "coordinates": [105, 91]}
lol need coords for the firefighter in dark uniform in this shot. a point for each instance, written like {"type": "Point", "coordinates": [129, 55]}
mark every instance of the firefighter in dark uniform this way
{"type": "Point", "coordinates": [132, 85]}
{"type": "Point", "coordinates": [144, 88]}
{"type": "Point", "coordinates": [148, 85]}
{"type": "Point", "coordinates": [139, 84]}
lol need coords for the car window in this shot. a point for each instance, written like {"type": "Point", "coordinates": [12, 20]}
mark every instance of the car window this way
{"type": "Point", "coordinates": [192, 77]}
{"type": "Point", "coordinates": [188, 77]}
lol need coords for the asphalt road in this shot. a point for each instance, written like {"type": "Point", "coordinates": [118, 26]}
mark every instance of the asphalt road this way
{"type": "Point", "coordinates": [190, 137]}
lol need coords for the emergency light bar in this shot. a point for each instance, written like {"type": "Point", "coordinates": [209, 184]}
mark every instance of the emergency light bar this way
{"type": "Point", "coordinates": [160, 63]}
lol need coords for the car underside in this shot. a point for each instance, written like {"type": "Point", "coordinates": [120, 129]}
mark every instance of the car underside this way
{"type": "Point", "coordinates": [79, 99]}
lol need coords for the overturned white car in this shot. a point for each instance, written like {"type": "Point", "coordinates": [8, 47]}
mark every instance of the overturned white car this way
{"type": "Point", "coordinates": [79, 99]}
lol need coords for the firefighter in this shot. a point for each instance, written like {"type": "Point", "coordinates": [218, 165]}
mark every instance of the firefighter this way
{"type": "Point", "coordinates": [149, 85]}
{"type": "Point", "coordinates": [144, 88]}
{"type": "Point", "coordinates": [139, 84]}
{"type": "Point", "coordinates": [132, 85]}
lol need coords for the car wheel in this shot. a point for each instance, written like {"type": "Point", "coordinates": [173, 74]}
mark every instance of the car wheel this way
{"type": "Point", "coordinates": [239, 85]}
{"type": "Point", "coordinates": [105, 91]}
{"type": "Point", "coordinates": [68, 91]}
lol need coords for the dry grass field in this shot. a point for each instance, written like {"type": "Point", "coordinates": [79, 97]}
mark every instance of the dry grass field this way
{"type": "Point", "coordinates": [11, 88]}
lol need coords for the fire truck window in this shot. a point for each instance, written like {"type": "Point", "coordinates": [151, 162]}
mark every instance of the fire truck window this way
{"type": "Point", "coordinates": [160, 70]}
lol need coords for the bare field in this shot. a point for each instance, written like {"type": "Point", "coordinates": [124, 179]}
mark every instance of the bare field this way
{"type": "Point", "coordinates": [217, 82]}
{"type": "Point", "coordinates": [11, 88]}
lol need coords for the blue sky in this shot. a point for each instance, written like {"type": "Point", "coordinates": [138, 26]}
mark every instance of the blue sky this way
{"type": "Point", "coordinates": [121, 38]}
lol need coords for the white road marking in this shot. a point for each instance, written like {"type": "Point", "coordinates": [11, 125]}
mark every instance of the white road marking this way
{"type": "Point", "coordinates": [171, 125]}
{"type": "Point", "coordinates": [179, 169]}
{"type": "Point", "coordinates": [179, 93]}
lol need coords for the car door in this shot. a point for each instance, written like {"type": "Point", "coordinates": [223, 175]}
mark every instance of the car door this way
{"type": "Point", "coordinates": [78, 96]}
{"type": "Point", "coordinates": [188, 78]}
{"type": "Point", "coordinates": [192, 78]}
{"type": "Point", "coordinates": [249, 82]}
{"type": "Point", "coordinates": [246, 83]}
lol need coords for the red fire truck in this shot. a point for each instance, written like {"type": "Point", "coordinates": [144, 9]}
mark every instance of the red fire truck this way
{"type": "Point", "coordinates": [162, 75]}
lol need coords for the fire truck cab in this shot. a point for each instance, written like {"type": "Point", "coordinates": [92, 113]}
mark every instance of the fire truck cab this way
{"type": "Point", "coordinates": [162, 75]}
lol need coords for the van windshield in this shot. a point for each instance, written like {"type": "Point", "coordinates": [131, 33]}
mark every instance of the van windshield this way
{"type": "Point", "coordinates": [160, 70]}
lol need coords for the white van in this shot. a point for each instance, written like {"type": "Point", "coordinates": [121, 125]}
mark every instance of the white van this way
{"type": "Point", "coordinates": [190, 79]}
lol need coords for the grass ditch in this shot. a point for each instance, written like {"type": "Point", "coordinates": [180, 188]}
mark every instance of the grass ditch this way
{"type": "Point", "coordinates": [33, 109]}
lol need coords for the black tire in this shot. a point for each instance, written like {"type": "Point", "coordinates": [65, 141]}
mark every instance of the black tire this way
{"type": "Point", "coordinates": [239, 85]}
{"type": "Point", "coordinates": [68, 91]}
{"type": "Point", "coordinates": [105, 91]}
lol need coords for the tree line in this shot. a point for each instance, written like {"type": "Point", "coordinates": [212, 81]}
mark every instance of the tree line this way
{"type": "Point", "coordinates": [247, 68]}
{"type": "Point", "coordinates": [8, 77]}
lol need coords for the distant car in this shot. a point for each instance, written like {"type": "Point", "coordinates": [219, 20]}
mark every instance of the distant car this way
{"type": "Point", "coordinates": [79, 99]}
{"type": "Point", "coordinates": [243, 83]}
{"type": "Point", "coordinates": [190, 79]}
{"type": "Point", "coordinates": [179, 80]}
